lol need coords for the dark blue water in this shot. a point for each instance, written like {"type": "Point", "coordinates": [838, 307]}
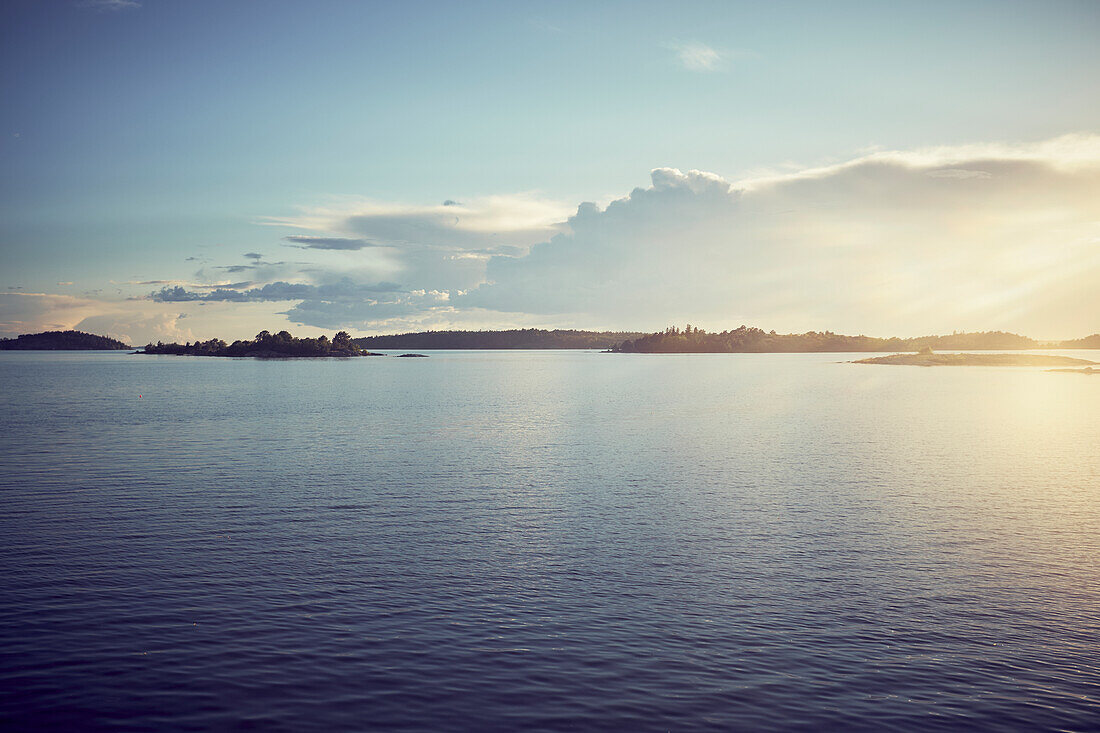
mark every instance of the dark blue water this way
{"type": "Point", "coordinates": [547, 540]}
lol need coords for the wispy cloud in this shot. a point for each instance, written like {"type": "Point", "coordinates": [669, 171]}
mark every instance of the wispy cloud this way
{"type": "Point", "coordinates": [542, 24]}
{"type": "Point", "coordinates": [697, 56]}
{"type": "Point", "coordinates": [486, 224]}
{"type": "Point", "coordinates": [334, 243]}
{"type": "Point", "coordinates": [340, 289]}
{"type": "Point", "coordinates": [959, 173]}
{"type": "Point", "coordinates": [111, 6]}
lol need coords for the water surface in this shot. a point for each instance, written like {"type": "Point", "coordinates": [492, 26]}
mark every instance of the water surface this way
{"type": "Point", "coordinates": [552, 540]}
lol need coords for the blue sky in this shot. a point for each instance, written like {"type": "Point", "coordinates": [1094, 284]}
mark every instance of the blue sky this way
{"type": "Point", "coordinates": [161, 140]}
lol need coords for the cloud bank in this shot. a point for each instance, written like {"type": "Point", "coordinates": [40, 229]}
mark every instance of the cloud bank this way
{"type": "Point", "coordinates": [893, 242]}
{"type": "Point", "coordinates": [911, 242]}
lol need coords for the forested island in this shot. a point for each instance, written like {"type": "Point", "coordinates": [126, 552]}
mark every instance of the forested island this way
{"type": "Point", "coordinates": [521, 338]}
{"type": "Point", "coordinates": [754, 340]}
{"type": "Point", "coordinates": [62, 341]}
{"type": "Point", "coordinates": [266, 345]}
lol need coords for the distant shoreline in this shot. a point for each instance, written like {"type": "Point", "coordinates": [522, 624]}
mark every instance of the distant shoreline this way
{"type": "Point", "coordinates": [670, 341]}
{"type": "Point", "coordinates": [62, 341]}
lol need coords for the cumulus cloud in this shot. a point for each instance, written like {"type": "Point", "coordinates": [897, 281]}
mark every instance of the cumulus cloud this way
{"type": "Point", "coordinates": [875, 244]}
{"type": "Point", "coordinates": [127, 321]}
{"type": "Point", "coordinates": [892, 242]}
{"type": "Point", "coordinates": [33, 312]}
{"type": "Point", "coordinates": [136, 329]}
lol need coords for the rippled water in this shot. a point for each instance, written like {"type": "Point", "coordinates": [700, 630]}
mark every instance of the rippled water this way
{"type": "Point", "coordinates": [552, 540]}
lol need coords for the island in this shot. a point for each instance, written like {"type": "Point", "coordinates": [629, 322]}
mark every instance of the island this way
{"type": "Point", "coordinates": [266, 345]}
{"type": "Point", "coordinates": [926, 358]}
{"type": "Point", "coordinates": [62, 341]}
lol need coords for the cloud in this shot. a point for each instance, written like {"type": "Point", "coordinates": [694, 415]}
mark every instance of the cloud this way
{"type": "Point", "coordinates": [366, 311]}
{"type": "Point", "coordinates": [885, 243]}
{"type": "Point", "coordinates": [976, 237]}
{"type": "Point", "coordinates": [696, 56]}
{"type": "Point", "coordinates": [483, 224]}
{"type": "Point", "coordinates": [33, 312]}
{"type": "Point", "coordinates": [229, 286]}
{"type": "Point", "coordinates": [135, 329]}
{"type": "Point", "coordinates": [332, 243]}
{"type": "Point", "coordinates": [336, 303]}
{"type": "Point", "coordinates": [338, 289]}
{"type": "Point", "coordinates": [405, 248]}
{"type": "Point", "coordinates": [129, 322]}
{"type": "Point", "coordinates": [253, 255]}
{"type": "Point", "coordinates": [957, 173]}
{"type": "Point", "coordinates": [111, 5]}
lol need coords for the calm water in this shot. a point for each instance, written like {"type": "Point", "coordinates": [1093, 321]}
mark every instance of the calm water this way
{"type": "Point", "coordinates": [552, 540]}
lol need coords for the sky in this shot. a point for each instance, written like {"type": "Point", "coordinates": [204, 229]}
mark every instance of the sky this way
{"type": "Point", "coordinates": [190, 169]}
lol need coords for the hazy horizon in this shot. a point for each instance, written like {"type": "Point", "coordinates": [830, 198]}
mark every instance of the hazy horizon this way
{"type": "Point", "coordinates": [904, 337]}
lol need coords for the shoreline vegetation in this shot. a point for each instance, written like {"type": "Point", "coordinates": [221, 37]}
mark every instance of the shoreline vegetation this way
{"type": "Point", "coordinates": [672, 340]}
{"type": "Point", "coordinates": [266, 346]}
{"type": "Point", "coordinates": [519, 338]}
{"type": "Point", "coordinates": [754, 340]}
{"type": "Point", "coordinates": [926, 358]}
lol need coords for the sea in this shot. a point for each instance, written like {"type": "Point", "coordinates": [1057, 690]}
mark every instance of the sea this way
{"type": "Point", "coordinates": [546, 540]}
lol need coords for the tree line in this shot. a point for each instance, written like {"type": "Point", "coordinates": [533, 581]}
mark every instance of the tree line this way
{"type": "Point", "coordinates": [281, 344]}
{"type": "Point", "coordinates": [520, 338]}
{"type": "Point", "coordinates": [754, 340]}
